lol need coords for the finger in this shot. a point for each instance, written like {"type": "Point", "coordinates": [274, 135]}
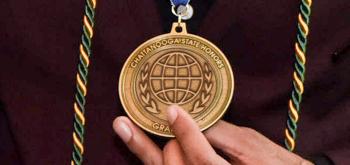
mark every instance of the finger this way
{"type": "Point", "coordinates": [173, 154]}
{"type": "Point", "coordinates": [227, 137]}
{"type": "Point", "coordinates": [244, 144]}
{"type": "Point", "coordinates": [195, 146]}
{"type": "Point", "coordinates": [137, 141]}
{"type": "Point", "coordinates": [241, 140]}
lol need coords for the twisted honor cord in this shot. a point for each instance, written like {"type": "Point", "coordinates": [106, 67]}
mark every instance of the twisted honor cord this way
{"type": "Point", "coordinates": [81, 78]}
{"type": "Point", "coordinates": [85, 53]}
{"type": "Point", "coordinates": [298, 74]}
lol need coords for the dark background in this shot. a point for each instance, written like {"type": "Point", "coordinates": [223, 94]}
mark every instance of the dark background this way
{"type": "Point", "coordinates": [39, 52]}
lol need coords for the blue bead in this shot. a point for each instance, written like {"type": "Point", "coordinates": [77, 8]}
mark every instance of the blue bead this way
{"type": "Point", "coordinates": [180, 2]}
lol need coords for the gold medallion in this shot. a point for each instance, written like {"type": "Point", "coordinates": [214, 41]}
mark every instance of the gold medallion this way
{"type": "Point", "coordinates": [175, 68]}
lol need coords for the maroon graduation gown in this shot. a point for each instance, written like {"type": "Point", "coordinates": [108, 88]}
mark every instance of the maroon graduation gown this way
{"type": "Point", "coordinates": [39, 53]}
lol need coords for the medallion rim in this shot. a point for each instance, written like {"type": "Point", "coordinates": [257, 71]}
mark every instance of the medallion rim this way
{"type": "Point", "coordinates": [122, 77]}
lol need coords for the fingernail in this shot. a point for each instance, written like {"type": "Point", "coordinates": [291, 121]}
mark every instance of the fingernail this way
{"type": "Point", "coordinates": [172, 114]}
{"type": "Point", "coordinates": [123, 131]}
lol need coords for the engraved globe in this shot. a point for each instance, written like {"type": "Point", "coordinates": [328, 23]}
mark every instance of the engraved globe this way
{"type": "Point", "coordinates": [176, 78]}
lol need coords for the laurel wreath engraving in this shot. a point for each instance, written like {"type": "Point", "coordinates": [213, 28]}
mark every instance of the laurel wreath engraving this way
{"type": "Point", "coordinates": [199, 104]}
{"type": "Point", "coordinates": [151, 105]}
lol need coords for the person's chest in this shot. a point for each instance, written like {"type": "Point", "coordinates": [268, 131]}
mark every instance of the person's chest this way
{"type": "Point", "coordinates": [43, 39]}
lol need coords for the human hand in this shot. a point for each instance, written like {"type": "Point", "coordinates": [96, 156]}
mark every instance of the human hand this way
{"type": "Point", "coordinates": [242, 146]}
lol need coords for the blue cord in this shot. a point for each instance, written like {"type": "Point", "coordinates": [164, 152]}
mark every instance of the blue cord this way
{"type": "Point", "coordinates": [179, 2]}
